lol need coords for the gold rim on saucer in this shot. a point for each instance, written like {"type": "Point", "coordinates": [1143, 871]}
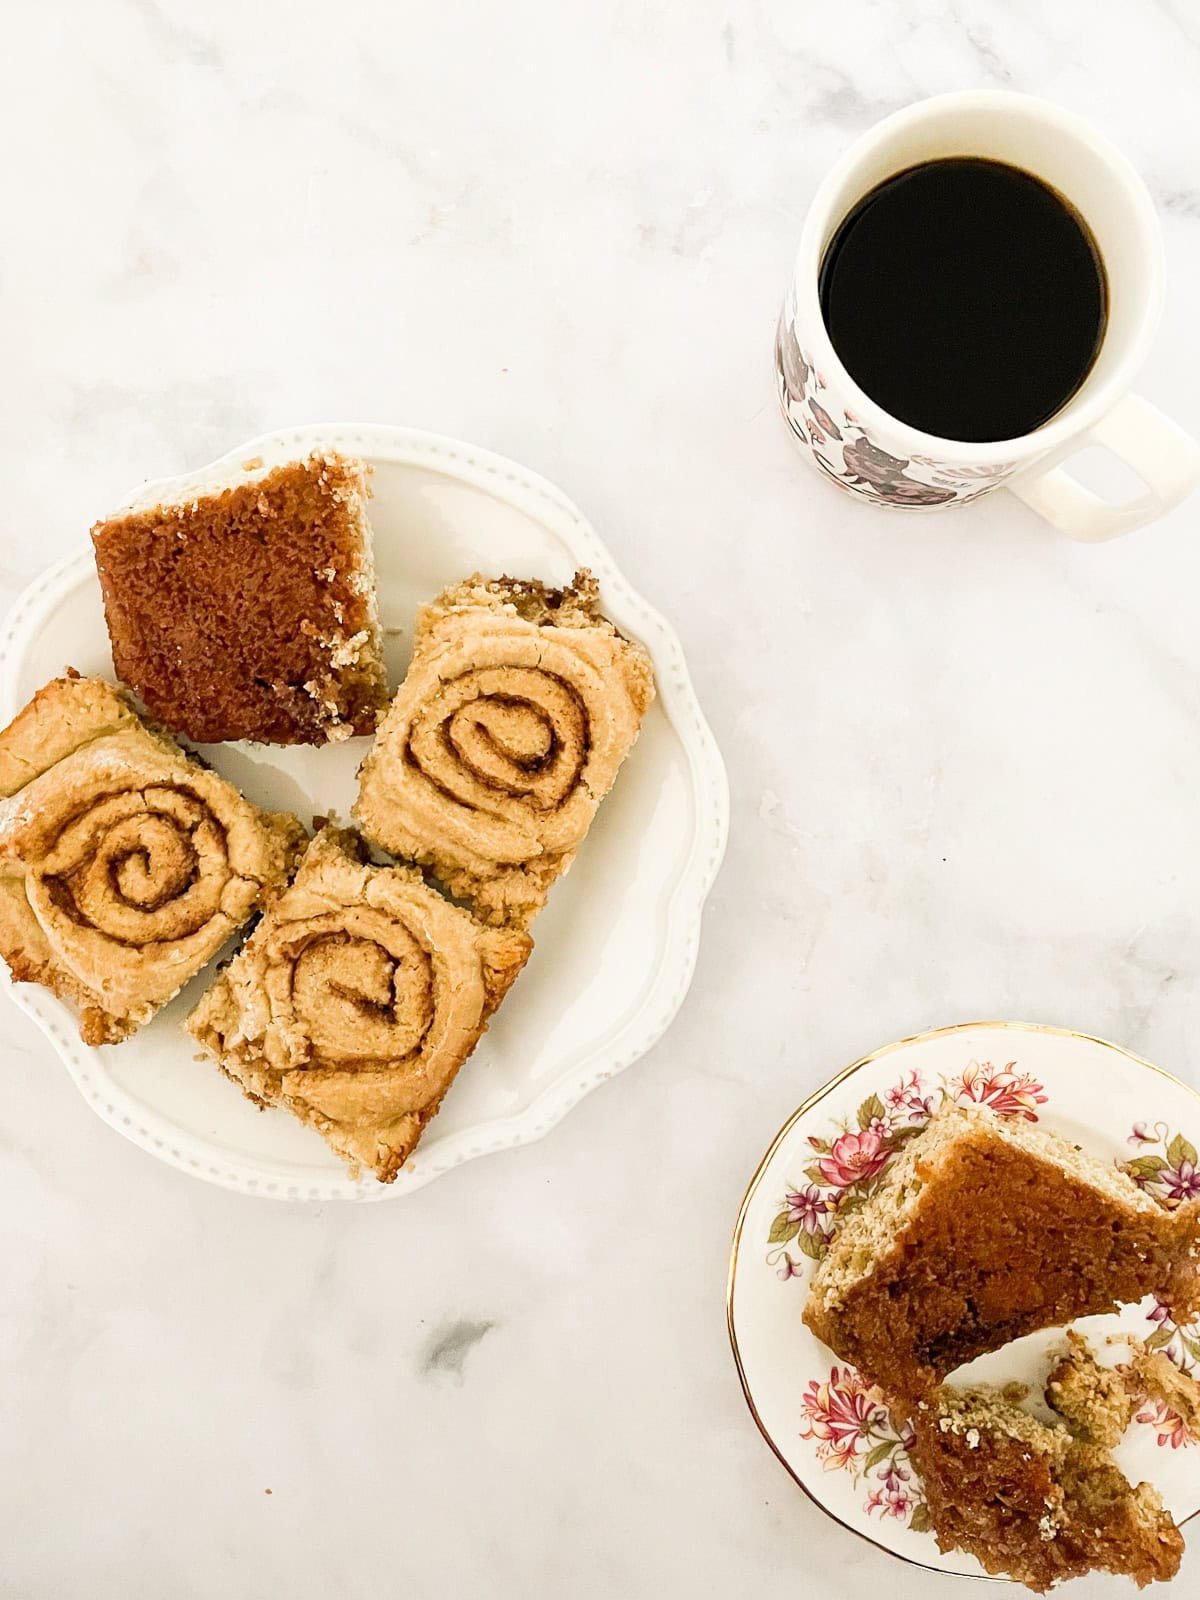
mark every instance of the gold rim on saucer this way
{"type": "Point", "coordinates": [752, 1188]}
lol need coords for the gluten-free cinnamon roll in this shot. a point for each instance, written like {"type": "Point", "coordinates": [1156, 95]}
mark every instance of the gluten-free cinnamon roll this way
{"type": "Point", "coordinates": [124, 865]}
{"type": "Point", "coordinates": [356, 1000]}
{"type": "Point", "coordinates": [519, 707]}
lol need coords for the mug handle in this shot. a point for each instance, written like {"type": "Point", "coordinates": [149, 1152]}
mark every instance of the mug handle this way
{"type": "Point", "coordinates": [1165, 458]}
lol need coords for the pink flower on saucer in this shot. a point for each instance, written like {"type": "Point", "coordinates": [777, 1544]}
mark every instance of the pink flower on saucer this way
{"type": "Point", "coordinates": [854, 1158]}
{"type": "Point", "coordinates": [807, 1207]}
{"type": "Point", "coordinates": [1010, 1094]}
{"type": "Point", "coordinates": [840, 1415]}
{"type": "Point", "coordinates": [1181, 1182]}
{"type": "Point", "coordinates": [906, 1100]}
{"type": "Point", "coordinates": [893, 1498]}
{"type": "Point", "coordinates": [1172, 1429]}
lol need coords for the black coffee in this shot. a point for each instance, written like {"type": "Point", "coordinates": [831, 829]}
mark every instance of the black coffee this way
{"type": "Point", "coordinates": [966, 298]}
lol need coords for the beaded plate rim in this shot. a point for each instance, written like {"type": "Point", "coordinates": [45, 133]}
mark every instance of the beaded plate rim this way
{"type": "Point", "coordinates": [583, 1070]}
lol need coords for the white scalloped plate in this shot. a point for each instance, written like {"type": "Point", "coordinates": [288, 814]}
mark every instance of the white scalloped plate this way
{"type": "Point", "coordinates": [834, 1438]}
{"type": "Point", "coordinates": [615, 947]}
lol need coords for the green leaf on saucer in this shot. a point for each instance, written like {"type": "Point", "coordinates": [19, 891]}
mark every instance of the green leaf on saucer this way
{"type": "Point", "coordinates": [869, 1110]}
{"type": "Point", "coordinates": [1145, 1166]}
{"type": "Point", "coordinates": [880, 1453]}
{"type": "Point", "coordinates": [814, 1245]}
{"type": "Point", "coordinates": [783, 1228]}
{"type": "Point", "coordinates": [1180, 1150]}
{"type": "Point", "coordinates": [903, 1135]}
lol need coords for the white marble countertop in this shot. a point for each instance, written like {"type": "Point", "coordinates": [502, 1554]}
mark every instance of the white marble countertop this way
{"type": "Point", "coordinates": [964, 755]}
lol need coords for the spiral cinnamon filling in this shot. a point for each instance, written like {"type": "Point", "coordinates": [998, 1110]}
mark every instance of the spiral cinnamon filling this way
{"type": "Point", "coordinates": [140, 867]}
{"type": "Point", "coordinates": [356, 1000]}
{"type": "Point", "coordinates": [517, 732]}
{"type": "Point", "coordinates": [124, 866]}
{"type": "Point", "coordinates": [519, 706]}
{"type": "Point", "coordinates": [361, 987]}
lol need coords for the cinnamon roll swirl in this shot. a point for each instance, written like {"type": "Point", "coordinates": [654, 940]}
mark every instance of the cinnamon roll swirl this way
{"type": "Point", "coordinates": [124, 865]}
{"type": "Point", "coordinates": [356, 1000]}
{"type": "Point", "coordinates": [519, 707]}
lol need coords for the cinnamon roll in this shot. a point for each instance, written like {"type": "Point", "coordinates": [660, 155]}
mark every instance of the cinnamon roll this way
{"type": "Point", "coordinates": [124, 864]}
{"type": "Point", "coordinates": [519, 707]}
{"type": "Point", "coordinates": [356, 1000]}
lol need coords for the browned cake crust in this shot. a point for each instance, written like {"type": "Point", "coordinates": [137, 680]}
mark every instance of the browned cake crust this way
{"type": "Point", "coordinates": [248, 611]}
{"type": "Point", "coordinates": [124, 864]}
{"type": "Point", "coordinates": [356, 1000]}
{"type": "Point", "coordinates": [520, 704]}
{"type": "Point", "coordinates": [1031, 1502]}
{"type": "Point", "coordinates": [995, 1241]}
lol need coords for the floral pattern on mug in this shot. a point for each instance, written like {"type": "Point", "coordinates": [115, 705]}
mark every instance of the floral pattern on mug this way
{"type": "Point", "coordinates": [841, 448]}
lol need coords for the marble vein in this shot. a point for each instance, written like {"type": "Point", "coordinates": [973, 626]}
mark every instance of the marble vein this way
{"type": "Point", "coordinates": [963, 758]}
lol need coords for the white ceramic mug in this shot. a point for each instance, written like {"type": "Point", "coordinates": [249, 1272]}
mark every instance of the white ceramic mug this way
{"type": "Point", "coordinates": [870, 453]}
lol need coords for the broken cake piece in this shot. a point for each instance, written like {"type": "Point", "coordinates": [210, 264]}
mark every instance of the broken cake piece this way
{"type": "Point", "coordinates": [124, 864]}
{"type": "Point", "coordinates": [518, 709]}
{"type": "Point", "coordinates": [1098, 1401]}
{"type": "Point", "coordinates": [242, 605]}
{"type": "Point", "coordinates": [356, 1000]}
{"type": "Point", "coordinates": [1029, 1500]}
{"type": "Point", "coordinates": [984, 1228]}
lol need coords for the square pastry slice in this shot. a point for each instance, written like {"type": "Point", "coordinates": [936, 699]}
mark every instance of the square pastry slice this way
{"type": "Point", "coordinates": [1029, 1500]}
{"type": "Point", "coordinates": [243, 607]}
{"type": "Point", "coordinates": [356, 1000]}
{"type": "Point", "coordinates": [519, 707]}
{"type": "Point", "coordinates": [124, 864]}
{"type": "Point", "coordinates": [984, 1228]}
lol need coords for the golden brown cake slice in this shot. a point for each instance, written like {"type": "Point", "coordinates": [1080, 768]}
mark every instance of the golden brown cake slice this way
{"type": "Point", "coordinates": [243, 606]}
{"type": "Point", "coordinates": [985, 1228]}
{"type": "Point", "coordinates": [356, 1000]}
{"type": "Point", "coordinates": [124, 864]}
{"type": "Point", "coordinates": [1030, 1501]}
{"type": "Point", "coordinates": [519, 706]}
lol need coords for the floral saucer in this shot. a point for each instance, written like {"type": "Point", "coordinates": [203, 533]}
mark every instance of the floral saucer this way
{"type": "Point", "coordinates": [829, 1429]}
